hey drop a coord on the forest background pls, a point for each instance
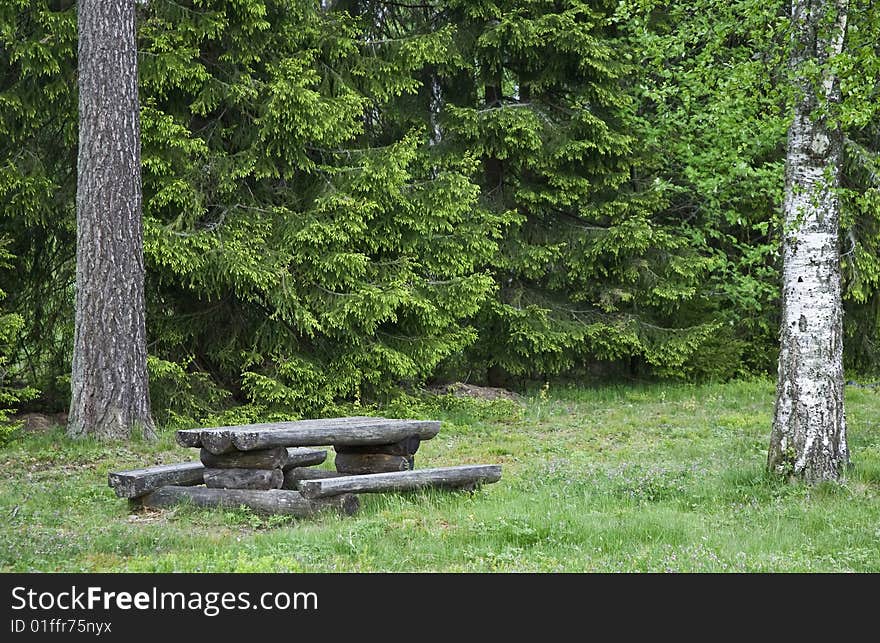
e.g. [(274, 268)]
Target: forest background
[(343, 203)]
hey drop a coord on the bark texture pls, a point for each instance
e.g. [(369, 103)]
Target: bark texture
[(809, 427), (361, 463), (262, 479), (137, 482), (438, 478), (273, 501), (263, 459), (110, 397)]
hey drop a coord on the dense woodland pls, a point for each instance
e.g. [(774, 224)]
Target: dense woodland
[(344, 200)]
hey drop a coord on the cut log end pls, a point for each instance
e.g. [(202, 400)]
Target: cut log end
[(137, 482), (217, 442), (189, 438)]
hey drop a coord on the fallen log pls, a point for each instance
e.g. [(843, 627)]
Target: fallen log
[(274, 501), (262, 479), (301, 457), (362, 463), (262, 459), (294, 475), (136, 482), (442, 477), (407, 447), (362, 432)]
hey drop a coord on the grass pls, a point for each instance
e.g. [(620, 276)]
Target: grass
[(653, 478)]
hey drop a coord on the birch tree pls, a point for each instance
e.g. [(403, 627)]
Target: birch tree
[(109, 379), (809, 428)]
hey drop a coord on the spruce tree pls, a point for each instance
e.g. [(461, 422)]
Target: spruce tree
[(285, 197), (539, 91)]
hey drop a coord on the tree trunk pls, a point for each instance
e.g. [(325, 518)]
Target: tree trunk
[(435, 105), (109, 376), (493, 169), (809, 428)]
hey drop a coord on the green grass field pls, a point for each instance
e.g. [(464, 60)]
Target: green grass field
[(654, 478)]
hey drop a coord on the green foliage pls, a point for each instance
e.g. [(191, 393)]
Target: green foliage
[(588, 271), (12, 390), (859, 67), (713, 105), (715, 101), (38, 130), (343, 202), (180, 394), (333, 265)]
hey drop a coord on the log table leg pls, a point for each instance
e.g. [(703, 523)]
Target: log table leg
[(377, 458), (243, 478)]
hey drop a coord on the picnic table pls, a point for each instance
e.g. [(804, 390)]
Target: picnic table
[(269, 467)]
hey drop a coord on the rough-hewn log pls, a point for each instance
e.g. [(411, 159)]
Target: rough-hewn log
[(136, 482), (243, 478), (361, 463), (351, 431), (360, 432), (402, 480), (293, 476), (408, 447), (262, 459), (190, 438), (301, 457), (274, 501)]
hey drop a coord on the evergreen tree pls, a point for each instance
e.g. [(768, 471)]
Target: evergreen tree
[(539, 90), (280, 200), (38, 139)]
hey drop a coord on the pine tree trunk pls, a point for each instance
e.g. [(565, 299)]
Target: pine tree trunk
[(109, 376), (809, 428)]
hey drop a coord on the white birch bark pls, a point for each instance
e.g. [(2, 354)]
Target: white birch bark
[(809, 428)]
